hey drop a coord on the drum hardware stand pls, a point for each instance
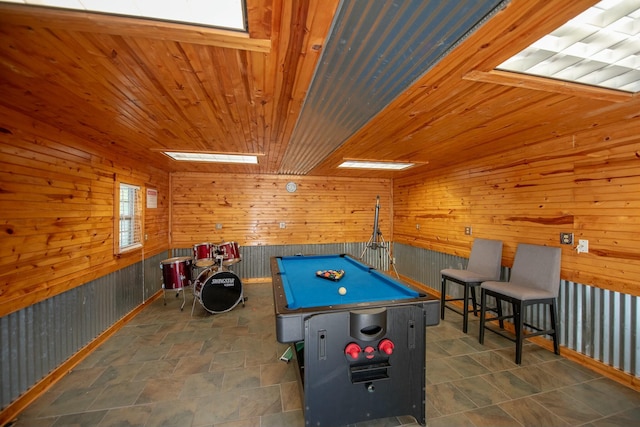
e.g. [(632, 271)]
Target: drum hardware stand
[(184, 296), (377, 241), (220, 259)]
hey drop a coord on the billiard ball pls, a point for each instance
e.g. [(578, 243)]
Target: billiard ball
[(342, 290)]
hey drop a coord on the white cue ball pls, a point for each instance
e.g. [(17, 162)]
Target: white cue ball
[(342, 290)]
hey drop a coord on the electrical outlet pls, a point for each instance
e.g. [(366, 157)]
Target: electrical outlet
[(467, 231), (283, 225), (417, 226), (583, 246), (218, 226), (566, 238)]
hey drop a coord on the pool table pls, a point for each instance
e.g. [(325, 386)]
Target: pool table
[(361, 354)]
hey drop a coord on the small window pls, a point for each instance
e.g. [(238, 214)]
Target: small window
[(130, 218)]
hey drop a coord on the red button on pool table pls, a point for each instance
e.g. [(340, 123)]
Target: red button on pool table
[(386, 346), (368, 352), (353, 350)]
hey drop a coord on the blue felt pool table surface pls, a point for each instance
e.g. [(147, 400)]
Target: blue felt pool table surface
[(304, 289)]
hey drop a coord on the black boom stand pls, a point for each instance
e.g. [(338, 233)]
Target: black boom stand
[(377, 240)]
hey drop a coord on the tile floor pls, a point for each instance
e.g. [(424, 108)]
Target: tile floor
[(167, 368)]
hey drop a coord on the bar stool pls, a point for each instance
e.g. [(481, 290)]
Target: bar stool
[(484, 264), (534, 280)]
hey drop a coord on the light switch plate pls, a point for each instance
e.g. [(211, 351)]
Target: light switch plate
[(583, 246)]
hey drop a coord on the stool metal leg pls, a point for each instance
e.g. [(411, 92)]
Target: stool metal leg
[(443, 296), (483, 305), (465, 309), (518, 318)]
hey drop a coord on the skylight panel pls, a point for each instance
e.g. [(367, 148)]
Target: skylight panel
[(600, 47), (228, 14)]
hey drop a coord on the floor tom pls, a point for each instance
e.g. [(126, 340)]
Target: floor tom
[(176, 273)]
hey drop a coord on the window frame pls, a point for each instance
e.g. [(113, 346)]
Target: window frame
[(135, 216)]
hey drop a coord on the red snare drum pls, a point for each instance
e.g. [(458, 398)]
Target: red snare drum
[(204, 254), (176, 272), (217, 291), (230, 252)]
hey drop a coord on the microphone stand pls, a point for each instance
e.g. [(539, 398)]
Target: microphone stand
[(377, 239)]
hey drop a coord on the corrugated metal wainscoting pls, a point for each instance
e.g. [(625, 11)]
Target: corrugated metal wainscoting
[(256, 260), (39, 338), (598, 323)]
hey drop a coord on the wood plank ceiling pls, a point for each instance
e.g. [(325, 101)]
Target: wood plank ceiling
[(141, 87)]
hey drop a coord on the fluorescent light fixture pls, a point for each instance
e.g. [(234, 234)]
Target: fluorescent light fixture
[(599, 47), (215, 13), (213, 158), (357, 164)]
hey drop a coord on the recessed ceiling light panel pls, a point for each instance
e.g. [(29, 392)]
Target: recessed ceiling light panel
[(213, 158), (357, 164)]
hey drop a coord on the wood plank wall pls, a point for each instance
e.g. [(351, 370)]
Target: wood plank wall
[(250, 209), (587, 184), (56, 207), (57, 211)]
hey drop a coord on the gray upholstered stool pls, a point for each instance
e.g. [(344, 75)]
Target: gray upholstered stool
[(484, 264), (534, 279)]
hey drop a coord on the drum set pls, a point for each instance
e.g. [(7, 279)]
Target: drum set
[(216, 287)]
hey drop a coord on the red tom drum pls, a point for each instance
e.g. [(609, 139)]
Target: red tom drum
[(176, 272), (230, 252), (217, 291), (204, 254)]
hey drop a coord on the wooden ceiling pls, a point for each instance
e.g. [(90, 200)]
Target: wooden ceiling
[(143, 87)]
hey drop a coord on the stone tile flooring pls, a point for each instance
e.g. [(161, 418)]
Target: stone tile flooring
[(168, 368)]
